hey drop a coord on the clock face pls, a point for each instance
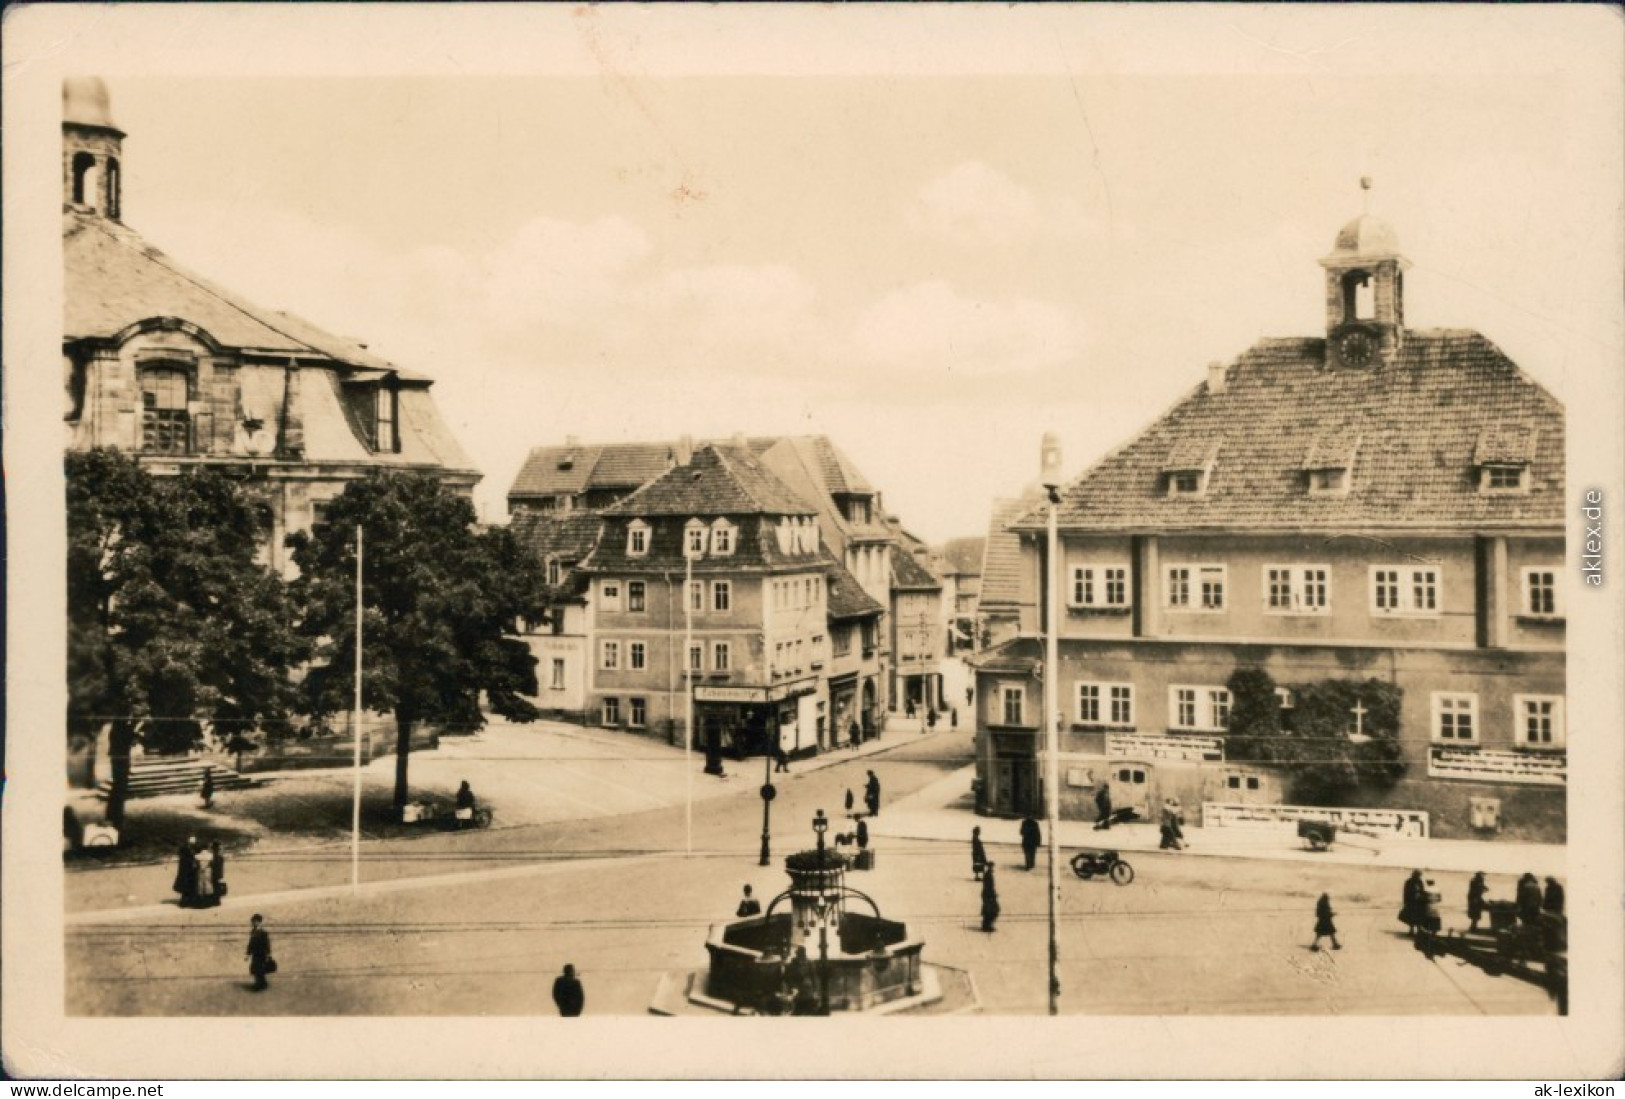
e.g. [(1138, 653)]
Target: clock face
[(1355, 348)]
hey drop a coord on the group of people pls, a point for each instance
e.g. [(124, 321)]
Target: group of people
[(200, 877), (1531, 900)]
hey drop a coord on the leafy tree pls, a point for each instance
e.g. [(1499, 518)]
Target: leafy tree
[(441, 604), (174, 624), (1255, 718)]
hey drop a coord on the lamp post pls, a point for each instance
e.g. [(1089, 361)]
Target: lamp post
[(820, 826), (1052, 738), (768, 794)]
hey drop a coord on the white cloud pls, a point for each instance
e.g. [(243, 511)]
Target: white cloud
[(931, 326), (974, 204)]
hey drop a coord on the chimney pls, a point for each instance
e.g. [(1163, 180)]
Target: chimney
[(1215, 377), (572, 440), (739, 439), (685, 450), (1049, 470)]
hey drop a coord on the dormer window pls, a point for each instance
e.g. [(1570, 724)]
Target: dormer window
[(554, 572), (694, 535), (1185, 483), (637, 538), (1328, 482), (1329, 465), (385, 438), (1504, 453), (722, 538), (1188, 466)]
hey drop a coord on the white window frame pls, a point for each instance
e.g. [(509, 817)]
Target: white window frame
[(612, 711), (1008, 691), (696, 596), (1554, 586), (609, 655), (641, 597), (1523, 710), (1178, 479), (1207, 706), (637, 539), (1398, 586), (1453, 704), (555, 572), (637, 656), (1300, 581), (722, 538), (1091, 581), (1113, 704), (722, 596), (694, 538), (721, 656), (1191, 580), (1331, 481), (609, 594), (1487, 476), (556, 682), (637, 712), (696, 657)]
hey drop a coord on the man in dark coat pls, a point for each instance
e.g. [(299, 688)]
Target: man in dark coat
[(186, 874), (568, 994), (1476, 891), (748, 905), (990, 899), (258, 953), (1553, 900), (854, 735), (1323, 923), (871, 795), (1031, 837), (1529, 899), (1103, 806), (1413, 902), (207, 793), (978, 854), (863, 834)]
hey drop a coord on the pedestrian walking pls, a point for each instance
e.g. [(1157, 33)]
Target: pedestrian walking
[(1476, 890), (990, 899), (1552, 901), (1413, 902), (850, 801), (908, 708), (781, 761), (1103, 806), (1529, 899), (205, 895), (953, 717), (219, 870), (748, 905), (931, 718), (970, 692), (978, 853), (1173, 832), (1031, 837), (863, 834), (568, 995), (186, 873), (1323, 923), (260, 962), (207, 792), (854, 735), (871, 794)]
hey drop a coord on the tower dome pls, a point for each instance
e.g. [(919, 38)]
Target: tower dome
[(85, 102), (1366, 237)]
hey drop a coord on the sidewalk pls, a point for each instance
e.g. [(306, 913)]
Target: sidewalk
[(945, 811)]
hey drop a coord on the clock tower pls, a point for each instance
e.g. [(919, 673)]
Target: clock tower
[(1365, 294)]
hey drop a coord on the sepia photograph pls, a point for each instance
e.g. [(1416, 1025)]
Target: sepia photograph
[(1036, 520)]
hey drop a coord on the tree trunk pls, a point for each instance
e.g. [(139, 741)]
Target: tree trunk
[(403, 748), (120, 740)]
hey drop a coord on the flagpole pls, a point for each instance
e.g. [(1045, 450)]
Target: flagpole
[(355, 810), (688, 695), (1052, 746)]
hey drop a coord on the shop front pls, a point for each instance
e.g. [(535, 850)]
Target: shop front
[(749, 721)]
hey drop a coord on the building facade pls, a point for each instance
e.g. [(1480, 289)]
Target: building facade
[(1379, 503), (161, 363)]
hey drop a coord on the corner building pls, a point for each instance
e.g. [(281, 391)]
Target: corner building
[(1376, 502)]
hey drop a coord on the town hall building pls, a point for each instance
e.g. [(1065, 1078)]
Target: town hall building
[(1376, 504)]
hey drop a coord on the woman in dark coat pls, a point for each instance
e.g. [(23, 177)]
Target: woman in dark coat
[(1031, 837), (1103, 806), (1553, 900), (186, 875), (990, 900), (259, 953), (1323, 923), (978, 854), (1529, 898), (1413, 909), (1476, 890)]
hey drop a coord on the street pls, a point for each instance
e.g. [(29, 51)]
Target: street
[(478, 922)]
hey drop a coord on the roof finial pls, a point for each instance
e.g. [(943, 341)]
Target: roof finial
[(1365, 194)]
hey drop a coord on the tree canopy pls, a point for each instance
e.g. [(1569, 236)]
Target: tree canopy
[(175, 625), (441, 605)]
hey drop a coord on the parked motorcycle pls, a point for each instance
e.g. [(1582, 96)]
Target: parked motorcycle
[(1103, 864)]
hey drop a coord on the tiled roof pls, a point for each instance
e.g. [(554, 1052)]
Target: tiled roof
[(909, 574), (1420, 420), (717, 481), (1001, 562), (1019, 654), (1504, 443), (963, 556), (574, 468), (569, 537), (552, 470), (756, 550), (113, 278), (1333, 449), (847, 599)]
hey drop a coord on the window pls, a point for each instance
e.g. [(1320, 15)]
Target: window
[(719, 656), (384, 437), (1195, 587), (1099, 586), (609, 655), (1404, 590), (1199, 708), (694, 538), (1297, 589), (1540, 593), (554, 572), (637, 539), (722, 538), (1187, 482), (610, 592), (612, 711), (1106, 704), (638, 656), (1455, 717), (1502, 478), (1328, 482), (639, 713), (1236, 781), (1012, 699), (721, 595), (696, 657), (696, 595), (1540, 720), (165, 423), (557, 682), (636, 596)]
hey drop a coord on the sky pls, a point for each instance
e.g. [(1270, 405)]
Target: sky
[(931, 268)]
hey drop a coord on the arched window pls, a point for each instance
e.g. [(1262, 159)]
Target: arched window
[(84, 177), (1359, 300), (112, 188)]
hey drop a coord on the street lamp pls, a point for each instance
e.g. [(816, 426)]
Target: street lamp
[(825, 903), (768, 794)]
